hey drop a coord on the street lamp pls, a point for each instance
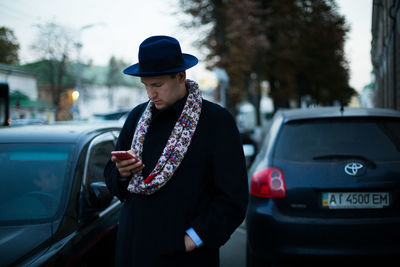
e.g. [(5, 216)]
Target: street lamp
[(79, 45), (75, 95)]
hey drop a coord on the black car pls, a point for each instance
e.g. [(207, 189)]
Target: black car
[(117, 116), (326, 185), (55, 209)]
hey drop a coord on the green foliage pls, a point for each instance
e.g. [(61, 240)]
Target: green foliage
[(45, 69), (9, 47), (115, 77)]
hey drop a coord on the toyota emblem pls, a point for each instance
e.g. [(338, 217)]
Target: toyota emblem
[(353, 168)]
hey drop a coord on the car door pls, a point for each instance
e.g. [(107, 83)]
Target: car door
[(94, 190), (99, 210)]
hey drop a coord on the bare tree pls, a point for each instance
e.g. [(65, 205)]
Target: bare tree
[(53, 45)]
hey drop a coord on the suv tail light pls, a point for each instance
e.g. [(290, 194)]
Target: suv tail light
[(269, 183)]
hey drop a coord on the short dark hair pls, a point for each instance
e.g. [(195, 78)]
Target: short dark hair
[(173, 74)]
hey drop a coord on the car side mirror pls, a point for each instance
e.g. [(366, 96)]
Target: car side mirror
[(99, 196), (249, 151), (249, 147)]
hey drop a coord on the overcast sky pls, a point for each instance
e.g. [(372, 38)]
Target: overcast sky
[(121, 25)]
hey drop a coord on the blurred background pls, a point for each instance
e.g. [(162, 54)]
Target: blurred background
[(63, 60)]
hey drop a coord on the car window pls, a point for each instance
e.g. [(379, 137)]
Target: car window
[(32, 180), (377, 139), (99, 155), (262, 156), (115, 135)]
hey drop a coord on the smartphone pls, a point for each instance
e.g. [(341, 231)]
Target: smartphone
[(123, 155)]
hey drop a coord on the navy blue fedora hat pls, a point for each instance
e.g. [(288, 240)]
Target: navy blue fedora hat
[(159, 55)]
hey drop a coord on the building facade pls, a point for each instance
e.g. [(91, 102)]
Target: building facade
[(19, 80), (24, 96), (385, 53)]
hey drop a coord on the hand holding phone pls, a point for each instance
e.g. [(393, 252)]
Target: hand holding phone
[(126, 168)]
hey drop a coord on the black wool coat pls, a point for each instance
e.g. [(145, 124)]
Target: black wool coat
[(208, 191)]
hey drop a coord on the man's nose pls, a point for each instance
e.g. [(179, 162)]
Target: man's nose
[(151, 93)]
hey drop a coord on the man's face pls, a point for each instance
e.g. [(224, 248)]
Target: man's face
[(165, 90)]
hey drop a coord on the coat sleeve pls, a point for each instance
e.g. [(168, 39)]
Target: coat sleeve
[(111, 174), (229, 202)]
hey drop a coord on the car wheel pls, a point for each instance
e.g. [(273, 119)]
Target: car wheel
[(253, 261)]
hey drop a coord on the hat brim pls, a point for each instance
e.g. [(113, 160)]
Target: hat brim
[(189, 61)]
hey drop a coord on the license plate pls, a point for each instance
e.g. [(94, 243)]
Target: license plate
[(355, 200)]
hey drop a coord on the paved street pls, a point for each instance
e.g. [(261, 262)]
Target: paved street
[(233, 253)]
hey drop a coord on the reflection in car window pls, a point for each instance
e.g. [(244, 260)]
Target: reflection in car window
[(32, 179), (376, 139), (99, 156)]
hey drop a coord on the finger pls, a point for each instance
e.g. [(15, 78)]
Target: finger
[(138, 164), (135, 167), (125, 163), (138, 169), (128, 167), (125, 169), (130, 164), (125, 174)]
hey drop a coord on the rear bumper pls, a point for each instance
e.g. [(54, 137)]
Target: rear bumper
[(273, 236)]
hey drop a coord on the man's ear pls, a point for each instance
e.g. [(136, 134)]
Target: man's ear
[(182, 76)]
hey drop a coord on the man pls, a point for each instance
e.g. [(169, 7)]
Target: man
[(185, 192)]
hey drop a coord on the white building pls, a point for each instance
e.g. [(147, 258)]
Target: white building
[(19, 80), (98, 99), (24, 84)]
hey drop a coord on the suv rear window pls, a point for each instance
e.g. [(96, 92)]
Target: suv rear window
[(377, 139)]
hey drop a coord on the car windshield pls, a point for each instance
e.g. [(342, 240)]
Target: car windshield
[(372, 139), (32, 179)]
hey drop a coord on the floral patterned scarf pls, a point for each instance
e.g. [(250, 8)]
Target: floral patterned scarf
[(175, 148)]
